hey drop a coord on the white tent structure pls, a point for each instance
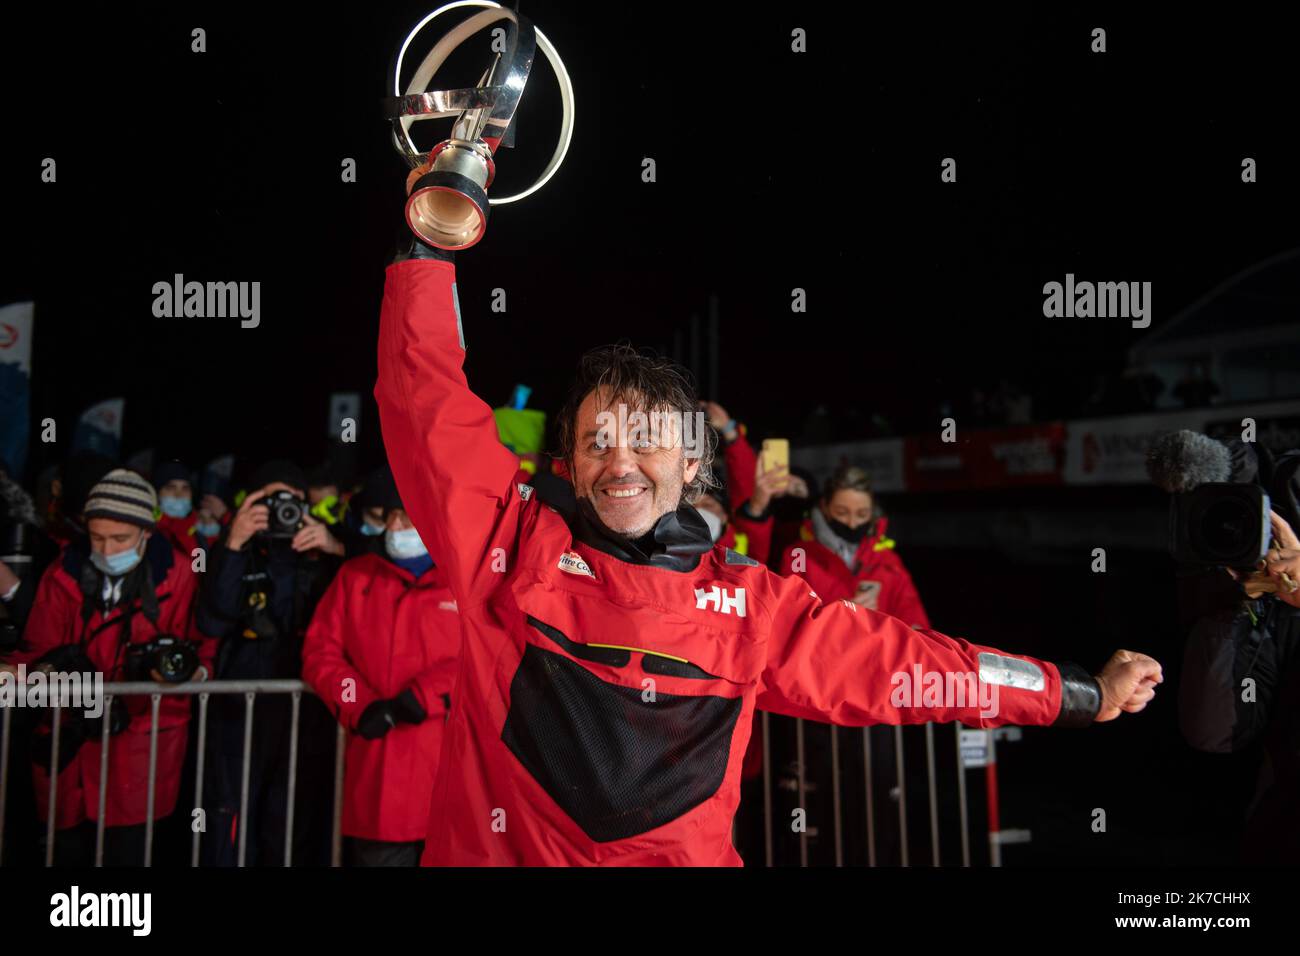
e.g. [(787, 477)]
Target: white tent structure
[(1245, 333)]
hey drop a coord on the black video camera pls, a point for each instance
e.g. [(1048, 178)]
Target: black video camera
[(286, 511), (1221, 523), (174, 658)]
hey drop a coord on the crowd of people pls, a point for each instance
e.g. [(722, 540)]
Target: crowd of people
[(308, 575), (537, 661)]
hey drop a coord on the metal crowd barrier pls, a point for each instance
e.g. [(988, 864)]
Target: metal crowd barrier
[(971, 748), (964, 738), (203, 690)]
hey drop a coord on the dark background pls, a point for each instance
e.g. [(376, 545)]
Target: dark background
[(775, 170)]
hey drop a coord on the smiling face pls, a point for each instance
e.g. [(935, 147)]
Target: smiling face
[(632, 475)]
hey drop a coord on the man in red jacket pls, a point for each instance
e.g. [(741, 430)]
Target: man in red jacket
[(381, 653), (843, 552), (612, 658), (109, 594)]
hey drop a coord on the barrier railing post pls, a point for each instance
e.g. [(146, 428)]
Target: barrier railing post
[(243, 782), (155, 701), (293, 778), (871, 806), (57, 711), (934, 793), (961, 798), (340, 755), (835, 795), (102, 803), (4, 775), (991, 782), (900, 769), (198, 780), (803, 794)]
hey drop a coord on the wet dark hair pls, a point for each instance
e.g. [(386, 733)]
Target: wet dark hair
[(644, 382)]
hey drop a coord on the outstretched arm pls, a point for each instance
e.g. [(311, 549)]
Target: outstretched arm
[(842, 664)]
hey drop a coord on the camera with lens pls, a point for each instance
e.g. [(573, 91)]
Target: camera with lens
[(173, 658), (286, 511), (1221, 523)]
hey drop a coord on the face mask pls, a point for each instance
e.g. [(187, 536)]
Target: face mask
[(175, 507), (115, 565), (211, 531), (716, 524), (851, 535), (371, 530), (404, 544)]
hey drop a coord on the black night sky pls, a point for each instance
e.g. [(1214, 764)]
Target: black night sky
[(775, 170)]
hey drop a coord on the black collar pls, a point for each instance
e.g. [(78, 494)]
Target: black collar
[(675, 543)]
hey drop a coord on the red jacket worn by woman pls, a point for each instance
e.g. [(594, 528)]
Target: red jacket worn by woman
[(604, 700), (876, 567), (378, 631)]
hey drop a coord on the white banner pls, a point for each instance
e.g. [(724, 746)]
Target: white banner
[(1113, 451)]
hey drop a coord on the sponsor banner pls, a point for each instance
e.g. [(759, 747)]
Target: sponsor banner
[(1112, 451), (1277, 430), (1101, 451), (1022, 455)]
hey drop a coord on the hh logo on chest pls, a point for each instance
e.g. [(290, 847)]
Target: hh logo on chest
[(721, 600)]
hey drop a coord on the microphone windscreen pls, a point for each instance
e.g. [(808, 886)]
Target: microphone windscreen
[(1181, 461)]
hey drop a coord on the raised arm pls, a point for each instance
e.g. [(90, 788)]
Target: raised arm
[(455, 477)]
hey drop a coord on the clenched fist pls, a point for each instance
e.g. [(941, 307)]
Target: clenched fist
[(1128, 682)]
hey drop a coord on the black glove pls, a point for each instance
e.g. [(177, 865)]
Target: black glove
[(419, 250), (408, 708), (377, 719)]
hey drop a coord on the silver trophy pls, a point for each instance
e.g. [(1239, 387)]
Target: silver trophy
[(448, 205)]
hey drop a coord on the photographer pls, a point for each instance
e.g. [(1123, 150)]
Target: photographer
[(381, 652), (1240, 693), (119, 602), (265, 577)]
